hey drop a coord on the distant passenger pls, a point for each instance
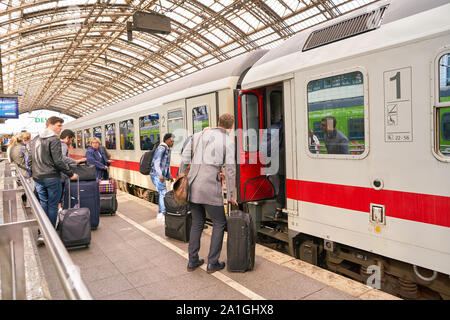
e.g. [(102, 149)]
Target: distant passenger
[(96, 156), (335, 141), (146, 143), (26, 136), (46, 163), (160, 171), (16, 153), (205, 191)]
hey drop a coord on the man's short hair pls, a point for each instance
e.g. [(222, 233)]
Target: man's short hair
[(53, 120), (226, 121), (330, 117), (167, 136), (67, 133)]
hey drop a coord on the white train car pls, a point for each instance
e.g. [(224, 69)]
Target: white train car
[(383, 74), (129, 128), (374, 192)]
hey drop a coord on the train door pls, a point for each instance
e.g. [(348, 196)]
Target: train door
[(201, 112), (254, 115)]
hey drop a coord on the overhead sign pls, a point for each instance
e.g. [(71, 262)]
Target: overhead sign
[(9, 107)]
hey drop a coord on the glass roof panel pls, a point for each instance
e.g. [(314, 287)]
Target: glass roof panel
[(80, 48)]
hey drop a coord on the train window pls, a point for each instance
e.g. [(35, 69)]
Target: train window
[(175, 125), (444, 78), (86, 136), (336, 115), (74, 144), (126, 134), (250, 122), (443, 113), (200, 118), (149, 131), (79, 139), (110, 134), (98, 132)]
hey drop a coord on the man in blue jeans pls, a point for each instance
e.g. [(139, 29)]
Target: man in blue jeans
[(47, 164), (160, 171)]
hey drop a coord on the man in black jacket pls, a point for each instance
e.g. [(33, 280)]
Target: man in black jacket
[(47, 164)]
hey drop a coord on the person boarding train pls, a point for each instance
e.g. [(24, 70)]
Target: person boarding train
[(211, 149)]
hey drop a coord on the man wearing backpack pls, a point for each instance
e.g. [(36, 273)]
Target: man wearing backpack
[(160, 171)]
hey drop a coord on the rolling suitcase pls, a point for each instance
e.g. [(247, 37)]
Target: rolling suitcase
[(90, 198), (240, 242), (108, 203), (178, 219), (74, 227), (108, 198)]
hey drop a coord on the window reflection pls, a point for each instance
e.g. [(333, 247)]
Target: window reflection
[(110, 134), (149, 131), (126, 134), (336, 114)]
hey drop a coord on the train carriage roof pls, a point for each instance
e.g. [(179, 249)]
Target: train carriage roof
[(396, 10), (232, 68)]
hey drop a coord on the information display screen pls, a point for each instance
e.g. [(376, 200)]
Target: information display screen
[(9, 107)]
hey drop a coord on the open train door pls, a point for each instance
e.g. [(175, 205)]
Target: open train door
[(252, 184)]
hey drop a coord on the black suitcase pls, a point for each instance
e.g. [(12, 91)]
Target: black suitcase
[(178, 219), (90, 198), (108, 203), (240, 242), (74, 227)]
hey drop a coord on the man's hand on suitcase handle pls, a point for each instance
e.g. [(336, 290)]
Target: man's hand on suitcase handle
[(74, 177)]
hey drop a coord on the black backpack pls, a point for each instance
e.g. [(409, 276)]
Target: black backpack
[(146, 161)]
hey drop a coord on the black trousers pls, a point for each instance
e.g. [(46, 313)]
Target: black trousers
[(217, 214)]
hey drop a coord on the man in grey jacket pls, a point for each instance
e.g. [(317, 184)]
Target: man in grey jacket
[(212, 150), (46, 163)]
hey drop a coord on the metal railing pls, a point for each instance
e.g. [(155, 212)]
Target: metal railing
[(11, 239)]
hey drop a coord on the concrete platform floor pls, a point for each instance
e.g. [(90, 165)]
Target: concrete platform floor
[(130, 258)]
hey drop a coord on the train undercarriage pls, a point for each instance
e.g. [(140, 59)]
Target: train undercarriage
[(394, 277)]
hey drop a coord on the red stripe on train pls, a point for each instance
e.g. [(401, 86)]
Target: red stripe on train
[(403, 205), (128, 165)]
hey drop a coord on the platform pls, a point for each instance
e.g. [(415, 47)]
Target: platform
[(130, 258)]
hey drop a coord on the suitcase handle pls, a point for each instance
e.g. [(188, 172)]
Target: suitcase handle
[(79, 200)]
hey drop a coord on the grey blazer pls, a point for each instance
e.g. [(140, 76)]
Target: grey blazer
[(213, 149)]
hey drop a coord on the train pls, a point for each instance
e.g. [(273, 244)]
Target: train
[(381, 73)]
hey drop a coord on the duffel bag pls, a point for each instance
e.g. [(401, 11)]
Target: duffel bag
[(172, 206), (85, 172)]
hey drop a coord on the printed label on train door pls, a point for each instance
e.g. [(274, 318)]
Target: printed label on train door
[(398, 105)]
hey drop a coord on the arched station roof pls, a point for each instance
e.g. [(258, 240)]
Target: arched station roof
[(74, 57)]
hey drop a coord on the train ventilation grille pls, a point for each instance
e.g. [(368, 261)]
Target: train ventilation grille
[(346, 29)]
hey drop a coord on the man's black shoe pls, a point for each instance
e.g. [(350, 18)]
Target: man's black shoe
[(194, 265), (215, 267)]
